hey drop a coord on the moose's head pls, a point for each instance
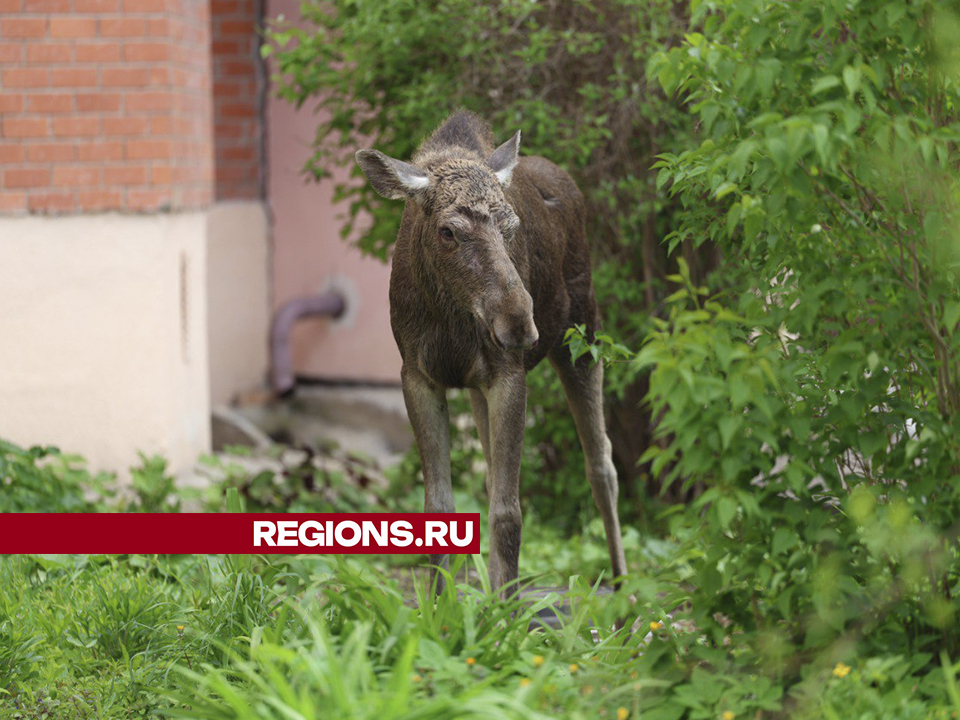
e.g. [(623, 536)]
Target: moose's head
[(468, 228)]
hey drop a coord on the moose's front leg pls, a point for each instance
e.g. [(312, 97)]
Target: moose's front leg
[(427, 407), (506, 406)]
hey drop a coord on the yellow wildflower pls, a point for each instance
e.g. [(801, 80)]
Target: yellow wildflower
[(471, 661), (656, 625), (728, 715), (841, 670), (574, 668), (179, 628), (524, 682), (537, 660), (622, 713)]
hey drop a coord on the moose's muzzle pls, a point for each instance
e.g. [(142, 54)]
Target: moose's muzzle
[(511, 324)]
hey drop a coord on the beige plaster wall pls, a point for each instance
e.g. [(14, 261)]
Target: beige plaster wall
[(310, 256), (238, 298), (103, 336)]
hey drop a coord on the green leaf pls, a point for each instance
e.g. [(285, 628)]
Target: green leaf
[(725, 189), (729, 425), (726, 510), (851, 79), (740, 393), (820, 139), (951, 316), (873, 442), (784, 538), (825, 83)]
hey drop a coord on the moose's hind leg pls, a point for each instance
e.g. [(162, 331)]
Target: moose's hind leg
[(583, 385), (481, 416)]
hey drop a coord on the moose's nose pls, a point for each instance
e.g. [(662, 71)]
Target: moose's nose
[(516, 333)]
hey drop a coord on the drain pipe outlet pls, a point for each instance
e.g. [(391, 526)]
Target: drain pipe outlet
[(329, 304)]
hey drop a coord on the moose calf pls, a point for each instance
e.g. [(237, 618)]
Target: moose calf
[(490, 268)]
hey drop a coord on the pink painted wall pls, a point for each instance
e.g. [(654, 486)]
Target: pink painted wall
[(309, 255)]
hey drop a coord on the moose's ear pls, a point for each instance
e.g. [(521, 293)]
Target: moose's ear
[(394, 179), (504, 159)]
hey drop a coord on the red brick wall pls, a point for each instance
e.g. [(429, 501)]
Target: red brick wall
[(105, 105), (238, 81)]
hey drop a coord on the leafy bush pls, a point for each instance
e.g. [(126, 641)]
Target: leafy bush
[(154, 489), (42, 477), (17, 653), (811, 390)]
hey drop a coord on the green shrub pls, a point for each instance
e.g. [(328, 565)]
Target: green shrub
[(811, 391), (18, 654), (42, 479)]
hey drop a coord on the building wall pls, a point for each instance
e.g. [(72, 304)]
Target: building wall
[(103, 336), (115, 330), (239, 87), (105, 106), (310, 256), (238, 298), (238, 226)]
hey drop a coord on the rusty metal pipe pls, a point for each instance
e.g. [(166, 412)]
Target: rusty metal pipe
[(329, 304)]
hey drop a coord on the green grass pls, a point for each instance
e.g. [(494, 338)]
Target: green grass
[(215, 637), (306, 637), (232, 638)]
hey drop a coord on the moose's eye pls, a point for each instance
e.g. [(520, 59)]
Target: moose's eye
[(447, 234)]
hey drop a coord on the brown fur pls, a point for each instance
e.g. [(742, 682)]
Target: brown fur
[(481, 309)]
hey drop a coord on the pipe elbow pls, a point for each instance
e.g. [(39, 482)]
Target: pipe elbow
[(329, 304)]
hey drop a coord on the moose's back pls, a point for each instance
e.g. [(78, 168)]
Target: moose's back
[(551, 211)]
